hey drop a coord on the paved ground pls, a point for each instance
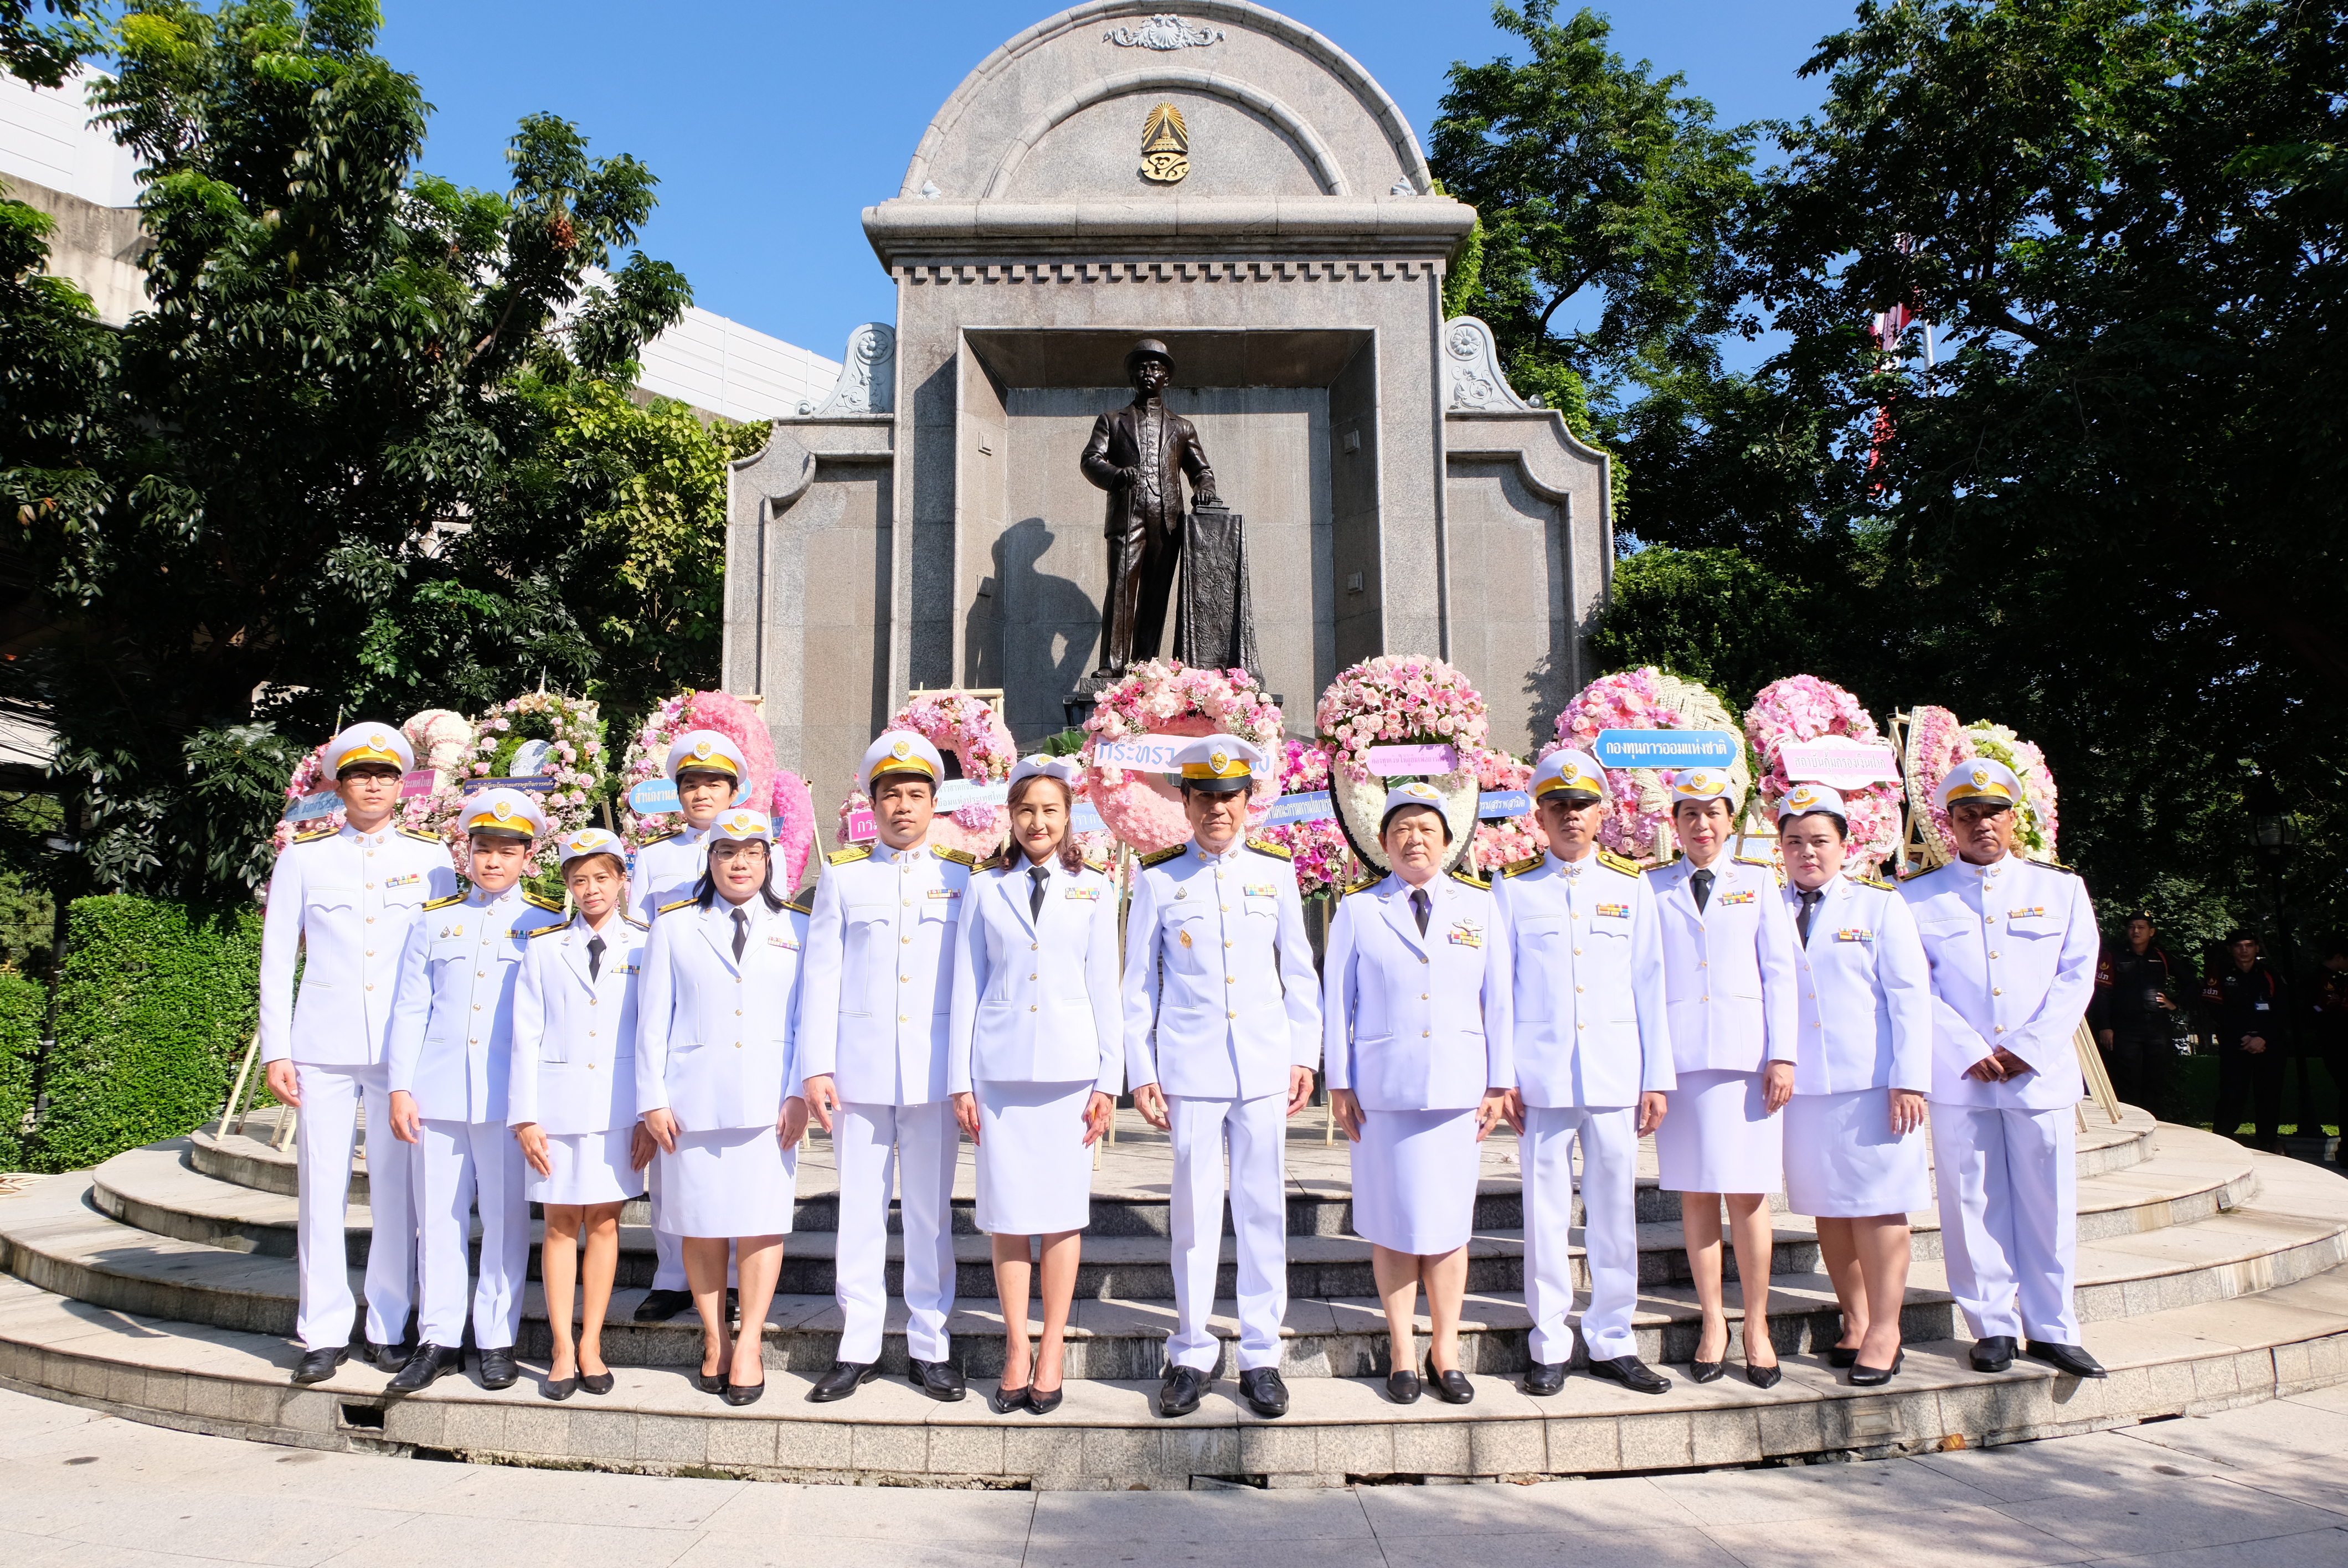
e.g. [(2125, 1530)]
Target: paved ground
[(2262, 1487)]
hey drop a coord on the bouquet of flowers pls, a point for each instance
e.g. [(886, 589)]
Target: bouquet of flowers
[(1805, 708), (1642, 699), (1169, 698), (1321, 856), (2035, 817), (968, 730), (778, 791), (538, 736), (1406, 699)]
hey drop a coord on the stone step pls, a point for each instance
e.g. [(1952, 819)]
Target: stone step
[(2194, 1359)]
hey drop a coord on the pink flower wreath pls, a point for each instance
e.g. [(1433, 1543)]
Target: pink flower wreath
[(781, 793), (1168, 698), (968, 729), (1937, 742), (1805, 708)]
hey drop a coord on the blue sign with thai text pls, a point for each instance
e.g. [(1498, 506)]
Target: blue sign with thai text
[(1671, 748)]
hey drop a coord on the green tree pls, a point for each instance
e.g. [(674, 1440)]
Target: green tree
[(41, 45)]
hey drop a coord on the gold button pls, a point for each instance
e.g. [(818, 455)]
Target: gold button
[(1424, 1032), (1422, 996), (1226, 944), (592, 1001), (1574, 915), (370, 952), (1992, 952), (1989, 920), (1703, 964), (1031, 1007), (370, 919), (909, 903), (370, 885), (590, 1066), (482, 974), (1231, 1015), (1708, 998), (1814, 996), (1031, 947), (1818, 1026), (590, 1034), (1229, 980), (901, 1017), (737, 1045), (1997, 991), (737, 1013), (1578, 990), (1577, 951), (1422, 958), (2000, 1028), (1582, 1025), (476, 1007), (902, 979), (907, 941), (1031, 977), (370, 987)]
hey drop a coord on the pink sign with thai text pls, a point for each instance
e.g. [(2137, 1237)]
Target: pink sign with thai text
[(1393, 760)]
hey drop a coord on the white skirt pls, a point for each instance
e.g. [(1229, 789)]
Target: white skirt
[(589, 1168), (1034, 1171), (1414, 1180), (1715, 1139), (1842, 1160), (734, 1182)]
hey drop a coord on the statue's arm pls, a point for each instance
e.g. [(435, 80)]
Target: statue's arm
[(1103, 473), (1202, 472)]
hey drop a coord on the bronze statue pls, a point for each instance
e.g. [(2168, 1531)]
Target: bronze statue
[(1138, 454)]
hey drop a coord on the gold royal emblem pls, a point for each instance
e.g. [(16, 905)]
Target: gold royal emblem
[(902, 749), (1164, 146), (702, 749), (1221, 761)]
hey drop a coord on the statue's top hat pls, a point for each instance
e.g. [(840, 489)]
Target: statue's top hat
[(1147, 348)]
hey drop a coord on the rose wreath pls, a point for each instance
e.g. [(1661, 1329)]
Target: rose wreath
[(781, 793), (1805, 708), (1403, 698), (1321, 856), (967, 729), (1643, 698), (1937, 742), (1169, 698), (538, 736)]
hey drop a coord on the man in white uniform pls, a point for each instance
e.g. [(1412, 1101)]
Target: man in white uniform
[(347, 896), (875, 1012), (449, 1057), (2013, 944), (1222, 1030), (707, 769), (1593, 1060)]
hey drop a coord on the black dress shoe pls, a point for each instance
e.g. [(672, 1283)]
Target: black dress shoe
[(1763, 1377), (1994, 1354), (1843, 1356), (1263, 1391), (497, 1368), (1865, 1377), (1183, 1388), (1632, 1374), (1002, 1400), (739, 1394), (660, 1306), (938, 1379), (1544, 1378), (2071, 1358), (1701, 1371), (842, 1381), (559, 1388), (1402, 1386), (597, 1382), (386, 1357), (317, 1365), (424, 1367), (709, 1382), (1452, 1387), (1041, 1404)]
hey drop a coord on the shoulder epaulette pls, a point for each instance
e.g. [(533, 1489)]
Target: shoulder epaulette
[(1877, 883), (1363, 885), (997, 861), (1470, 878), (1651, 870), (1160, 856), (1613, 862), (801, 901), (1265, 846), (548, 905), (1755, 860), (421, 836), (851, 854), (444, 902), (1928, 871), (310, 830), (549, 930), (661, 837), (680, 904), (959, 857), (639, 924), (1098, 863), (1519, 868)]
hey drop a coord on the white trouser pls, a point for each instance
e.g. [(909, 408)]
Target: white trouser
[(456, 1161), (1255, 1133), (877, 1147), (331, 1098), (2009, 1209), (1609, 1228)]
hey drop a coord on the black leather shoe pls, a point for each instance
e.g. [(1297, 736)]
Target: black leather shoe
[(1763, 1377), (1002, 1400), (1865, 1377), (739, 1394), (709, 1382), (1265, 1392), (1402, 1386), (842, 1381), (939, 1380), (2071, 1358), (1183, 1388), (1700, 1372), (1544, 1378), (1842, 1355), (497, 1368), (1040, 1404), (1452, 1387), (317, 1365), (597, 1382), (424, 1367), (1632, 1374), (1994, 1354), (386, 1357), (660, 1306), (559, 1388)]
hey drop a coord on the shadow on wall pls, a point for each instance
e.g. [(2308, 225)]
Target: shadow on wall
[(1029, 612)]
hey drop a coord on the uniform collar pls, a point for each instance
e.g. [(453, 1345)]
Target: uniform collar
[(380, 835), (478, 899), (888, 856), (1574, 867), (1199, 851), (2002, 864), (691, 834)]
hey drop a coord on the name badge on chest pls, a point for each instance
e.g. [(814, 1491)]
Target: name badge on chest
[(788, 944)]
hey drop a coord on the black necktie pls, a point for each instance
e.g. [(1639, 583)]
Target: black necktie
[(1702, 883), (594, 957), (1038, 875), (1418, 907), (741, 934), (1802, 920)]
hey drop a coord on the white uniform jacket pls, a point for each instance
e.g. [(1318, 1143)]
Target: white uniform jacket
[(349, 898), (1586, 1015), (1728, 970), (1415, 1022), (1036, 996), (2012, 948), (716, 1041), (880, 972), (1866, 992), (452, 1025), (1220, 999), (574, 1039), (665, 869)]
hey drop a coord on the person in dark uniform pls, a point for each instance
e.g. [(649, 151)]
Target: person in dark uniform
[(1138, 454), (2247, 1009), (2136, 989), (2328, 1017)]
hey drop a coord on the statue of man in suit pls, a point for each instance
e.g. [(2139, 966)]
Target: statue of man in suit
[(1138, 454)]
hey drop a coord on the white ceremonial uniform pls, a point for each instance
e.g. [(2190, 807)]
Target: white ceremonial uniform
[(1589, 1035), (342, 903), (1865, 1021), (1416, 1025), (574, 1059), (1220, 1000), (878, 1010), (451, 1033), (717, 1048), (665, 869), (1036, 1030), (2012, 948), (1728, 978)]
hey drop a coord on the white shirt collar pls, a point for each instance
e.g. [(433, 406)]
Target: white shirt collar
[(1573, 867), (889, 857), (1232, 854)]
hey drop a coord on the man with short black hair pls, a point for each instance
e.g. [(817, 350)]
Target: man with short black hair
[(2137, 986), (2248, 1007)]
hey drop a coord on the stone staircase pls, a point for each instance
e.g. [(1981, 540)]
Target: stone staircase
[(161, 1285)]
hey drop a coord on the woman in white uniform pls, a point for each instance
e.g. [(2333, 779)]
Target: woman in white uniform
[(571, 1097), (1729, 985), (1854, 1130), (1036, 1060), (717, 1055), (1414, 1041)]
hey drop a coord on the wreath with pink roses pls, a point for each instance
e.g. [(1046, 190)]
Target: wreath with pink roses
[(781, 793), (968, 730), (1170, 698), (1805, 708)]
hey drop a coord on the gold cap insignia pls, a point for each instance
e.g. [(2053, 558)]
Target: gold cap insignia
[(902, 749), (702, 749)]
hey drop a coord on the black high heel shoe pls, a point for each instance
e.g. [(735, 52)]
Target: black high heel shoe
[(1763, 1377), (1842, 1355), (738, 1394), (1002, 1400), (1876, 1376), (1709, 1371), (1043, 1404), (559, 1387)]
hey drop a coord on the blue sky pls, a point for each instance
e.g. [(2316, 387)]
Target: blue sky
[(772, 127)]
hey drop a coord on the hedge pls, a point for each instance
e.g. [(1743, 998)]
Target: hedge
[(23, 1009)]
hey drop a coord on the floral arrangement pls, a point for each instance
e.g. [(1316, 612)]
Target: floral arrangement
[(1169, 698), (1805, 708), (2037, 817), (778, 791), (1503, 841), (540, 734), (441, 739), (1642, 699), (1323, 860), (1937, 741), (1399, 699), (968, 729)]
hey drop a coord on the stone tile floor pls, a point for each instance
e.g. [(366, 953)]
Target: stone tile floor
[(2260, 1487)]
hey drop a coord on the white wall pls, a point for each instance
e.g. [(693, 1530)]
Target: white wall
[(45, 137)]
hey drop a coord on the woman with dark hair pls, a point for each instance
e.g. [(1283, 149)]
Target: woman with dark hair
[(1415, 1044), (717, 1068), (1037, 1059)]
